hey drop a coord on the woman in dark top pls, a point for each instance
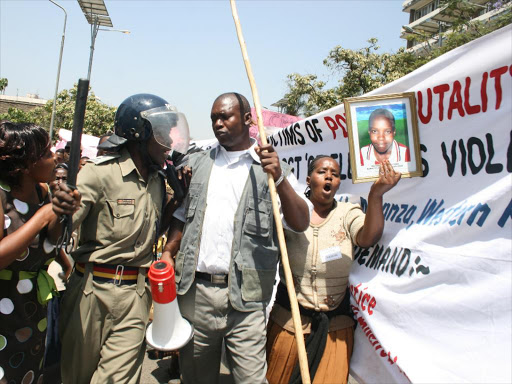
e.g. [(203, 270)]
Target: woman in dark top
[(26, 165)]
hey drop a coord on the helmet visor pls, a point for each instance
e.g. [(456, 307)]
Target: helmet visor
[(170, 127)]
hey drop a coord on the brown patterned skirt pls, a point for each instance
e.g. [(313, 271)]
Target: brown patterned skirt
[(282, 356)]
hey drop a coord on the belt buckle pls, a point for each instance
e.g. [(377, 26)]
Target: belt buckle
[(118, 279), (218, 279)]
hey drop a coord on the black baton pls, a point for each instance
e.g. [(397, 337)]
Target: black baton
[(74, 156)]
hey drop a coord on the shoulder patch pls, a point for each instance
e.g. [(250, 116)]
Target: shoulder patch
[(103, 159)]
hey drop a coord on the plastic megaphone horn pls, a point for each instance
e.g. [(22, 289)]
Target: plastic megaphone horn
[(169, 330)]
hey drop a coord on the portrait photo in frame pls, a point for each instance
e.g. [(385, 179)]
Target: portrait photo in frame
[(383, 127)]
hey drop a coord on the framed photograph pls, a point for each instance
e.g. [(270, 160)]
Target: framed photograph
[(383, 127)]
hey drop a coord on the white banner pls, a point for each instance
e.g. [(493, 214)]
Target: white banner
[(433, 297), (88, 142)]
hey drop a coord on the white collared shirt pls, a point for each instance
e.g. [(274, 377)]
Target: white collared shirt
[(225, 187), (399, 153)]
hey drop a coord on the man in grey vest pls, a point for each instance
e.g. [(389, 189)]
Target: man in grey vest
[(226, 264)]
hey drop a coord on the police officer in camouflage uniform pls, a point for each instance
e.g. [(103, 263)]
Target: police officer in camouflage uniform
[(118, 206)]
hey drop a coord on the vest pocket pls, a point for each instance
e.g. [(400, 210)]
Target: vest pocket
[(257, 218), (257, 284)]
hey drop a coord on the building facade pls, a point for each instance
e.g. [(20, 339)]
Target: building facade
[(20, 102), (430, 18)]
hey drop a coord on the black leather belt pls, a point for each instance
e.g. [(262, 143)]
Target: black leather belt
[(215, 279)]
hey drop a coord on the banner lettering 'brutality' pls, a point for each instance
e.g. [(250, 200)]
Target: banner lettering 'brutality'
[(432, 299)]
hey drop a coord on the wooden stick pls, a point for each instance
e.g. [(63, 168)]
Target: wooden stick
[(299, 336)]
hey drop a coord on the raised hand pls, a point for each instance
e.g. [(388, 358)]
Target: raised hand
[(388, 178)]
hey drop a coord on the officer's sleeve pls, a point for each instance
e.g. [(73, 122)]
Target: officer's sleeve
[(90, 188)]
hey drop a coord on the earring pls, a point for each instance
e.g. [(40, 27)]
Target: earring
[(307, 191)]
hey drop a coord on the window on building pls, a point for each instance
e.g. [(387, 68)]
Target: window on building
[(425, 10)]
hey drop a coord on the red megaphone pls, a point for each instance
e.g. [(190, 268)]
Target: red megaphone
[(169, 330)]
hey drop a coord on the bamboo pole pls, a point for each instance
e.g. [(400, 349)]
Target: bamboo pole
[(299, 336)]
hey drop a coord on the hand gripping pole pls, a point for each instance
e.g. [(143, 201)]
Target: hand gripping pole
[(299, 336)]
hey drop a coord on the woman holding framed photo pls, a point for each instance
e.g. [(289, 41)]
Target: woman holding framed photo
[(320, 260)]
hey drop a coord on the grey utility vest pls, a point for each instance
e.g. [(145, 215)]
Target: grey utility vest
[(254, 253)]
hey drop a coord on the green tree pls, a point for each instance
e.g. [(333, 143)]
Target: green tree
[(99, 117), (17, 115), (306, 94), (3, 84), (361, 71)]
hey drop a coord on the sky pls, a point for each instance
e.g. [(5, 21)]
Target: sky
[(186, 52), (398, 110)]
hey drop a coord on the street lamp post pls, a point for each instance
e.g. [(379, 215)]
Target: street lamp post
[(94, 33), (97, 16), (52, 121), (95, 27)]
